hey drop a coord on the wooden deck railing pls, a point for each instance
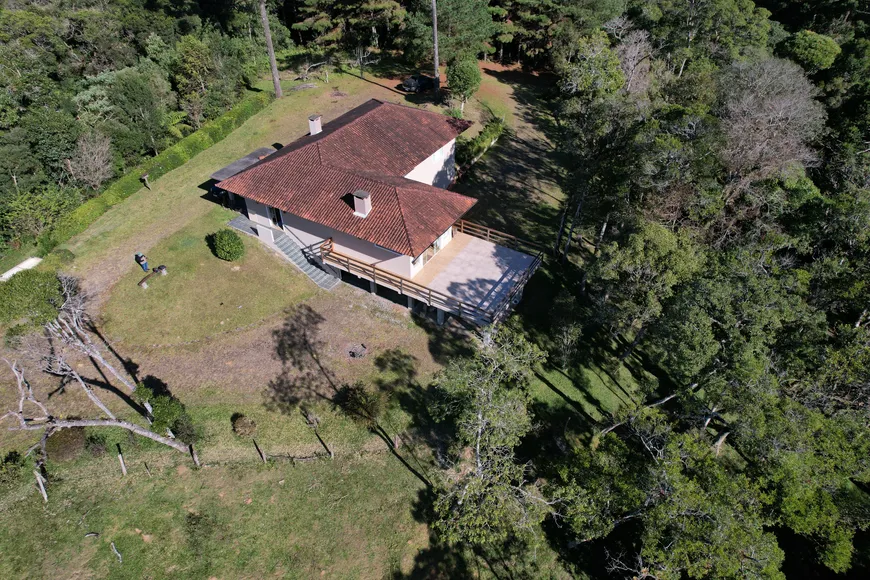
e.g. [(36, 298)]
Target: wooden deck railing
[(435, 298), (403, 285), (497, 237), (504, 305)]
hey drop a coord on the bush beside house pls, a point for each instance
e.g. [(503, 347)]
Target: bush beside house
[(227, 245), (469, 151)]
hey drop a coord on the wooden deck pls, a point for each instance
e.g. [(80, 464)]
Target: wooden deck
[(472, 277)]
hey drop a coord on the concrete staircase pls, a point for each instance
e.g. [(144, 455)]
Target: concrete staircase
[(292, 252)]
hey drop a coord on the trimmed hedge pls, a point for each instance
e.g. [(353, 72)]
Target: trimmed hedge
[(469, 151), (173, 157)]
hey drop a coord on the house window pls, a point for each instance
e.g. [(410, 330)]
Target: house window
[(430, 252)]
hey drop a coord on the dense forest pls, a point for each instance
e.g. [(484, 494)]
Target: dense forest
[(91, 88), (716, 231)]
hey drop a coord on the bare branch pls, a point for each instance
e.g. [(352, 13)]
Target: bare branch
[(49, 424)]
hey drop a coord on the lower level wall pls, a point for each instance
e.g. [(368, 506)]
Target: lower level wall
[(258, 212), (307, 233)]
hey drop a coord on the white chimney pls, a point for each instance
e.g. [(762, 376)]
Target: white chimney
[(362, 203), (314, 124)]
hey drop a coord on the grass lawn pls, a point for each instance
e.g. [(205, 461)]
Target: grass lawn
[(518, 182), (252, 521), (202, 295), (587, 388), (104, 251)]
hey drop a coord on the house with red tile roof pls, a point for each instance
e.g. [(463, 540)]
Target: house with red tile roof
[(367, 194)]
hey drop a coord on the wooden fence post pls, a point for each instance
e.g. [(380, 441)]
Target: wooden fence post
[(121, 460), (40, 482), (193, 455), (259, 451)]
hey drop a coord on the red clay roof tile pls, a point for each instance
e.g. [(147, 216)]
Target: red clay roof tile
[(370, 147)]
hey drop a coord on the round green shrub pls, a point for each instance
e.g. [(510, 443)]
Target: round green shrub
[(227, 245), (65, 256), (66, 444), (243, 426)]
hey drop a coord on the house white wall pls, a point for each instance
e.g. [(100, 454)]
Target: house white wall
[(443, 240), (439, 169), (259, 214), (306, 233)]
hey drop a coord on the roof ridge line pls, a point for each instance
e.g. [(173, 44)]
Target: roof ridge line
[(353, 121), (316, 142), (404, 222)]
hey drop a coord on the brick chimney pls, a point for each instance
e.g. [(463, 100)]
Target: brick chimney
[(314, 124), (362, 203)]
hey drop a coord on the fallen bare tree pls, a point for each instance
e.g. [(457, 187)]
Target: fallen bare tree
[(72, 326), (44, 421)]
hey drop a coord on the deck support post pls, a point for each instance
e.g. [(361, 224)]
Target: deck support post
[(439, 317), (410, 302), (373, 288)]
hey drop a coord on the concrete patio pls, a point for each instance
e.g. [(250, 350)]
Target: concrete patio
[(474, 271)]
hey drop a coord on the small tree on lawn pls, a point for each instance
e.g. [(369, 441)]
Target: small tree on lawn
[(463, 77)]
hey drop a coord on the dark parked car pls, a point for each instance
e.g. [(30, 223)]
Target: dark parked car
[(418, 84)]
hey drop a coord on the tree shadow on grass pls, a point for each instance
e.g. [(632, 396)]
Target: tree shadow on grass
[(505, 181), (438, 561), (305, 378), (512, 559), (399, 378), (534, 93), (582, 559), (131, 367), (504, 201), (450, 340), (577, 407)]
